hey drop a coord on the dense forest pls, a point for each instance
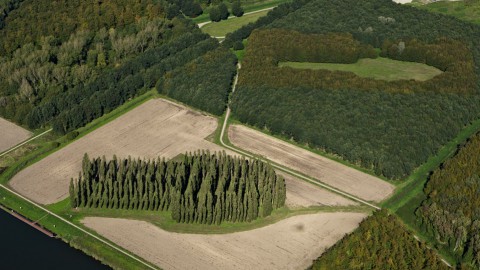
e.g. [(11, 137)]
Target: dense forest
[(67, 78), (451, 212), (6, 6), (390, 132), (380, 242), (34, 19), (269, 47), (196, 188), (203, 83)]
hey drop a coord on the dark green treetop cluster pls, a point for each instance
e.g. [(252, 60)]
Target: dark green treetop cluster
[(196, 188)]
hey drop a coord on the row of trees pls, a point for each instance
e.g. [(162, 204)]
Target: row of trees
[(380, 242), (451, 212), (220, 12), (204, 83), (196, 188), (390, 132)]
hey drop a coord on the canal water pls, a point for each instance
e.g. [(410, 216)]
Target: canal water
[(23, 247)]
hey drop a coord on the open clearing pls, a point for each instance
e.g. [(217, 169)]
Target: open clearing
[(155, 128), (302, 194), (335, 174), (289, 244), (220, 29), (379, 68), (11, 134), (467, 11)]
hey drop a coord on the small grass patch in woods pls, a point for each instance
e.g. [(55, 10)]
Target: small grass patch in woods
[(220, 29), (379, 68)]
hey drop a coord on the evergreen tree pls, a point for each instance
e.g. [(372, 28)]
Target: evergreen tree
[(237, 9)]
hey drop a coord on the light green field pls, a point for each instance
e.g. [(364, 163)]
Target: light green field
[(379, 68), (220, 29), (465, 10)]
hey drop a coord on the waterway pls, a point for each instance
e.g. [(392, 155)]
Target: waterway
[(23, 247)]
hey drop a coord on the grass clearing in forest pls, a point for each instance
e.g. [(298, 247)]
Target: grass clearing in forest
[(464, 10), (220, 29), (379, 68)]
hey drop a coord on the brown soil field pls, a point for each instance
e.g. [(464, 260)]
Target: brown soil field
[(292, 243), (335, 174), (11, 134), (302, 194), (155, 128)]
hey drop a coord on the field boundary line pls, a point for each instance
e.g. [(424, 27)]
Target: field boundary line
[(282, 168), (77, 227), (24, 142)]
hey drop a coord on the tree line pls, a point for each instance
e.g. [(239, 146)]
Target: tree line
[(196, 188), (204, 83), (389, 132), (451, 211), (380, 242)]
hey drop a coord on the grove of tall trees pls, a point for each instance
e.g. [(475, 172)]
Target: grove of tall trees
[(380, 242), (196, 188), (390, 128), (451, 212)]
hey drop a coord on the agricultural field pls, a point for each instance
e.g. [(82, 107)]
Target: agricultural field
[(335, 174), (292, 243), (379, 69), (301, 194), (220, 29), (11, 134), (156, 128)]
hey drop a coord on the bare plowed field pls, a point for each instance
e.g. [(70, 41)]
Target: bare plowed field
[(156, 128), (289, 244), (302, 194), (335, 174), (11, 134)]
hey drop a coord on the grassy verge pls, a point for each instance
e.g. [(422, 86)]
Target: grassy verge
[(75, 238), (410, 195), (163, 220), (247, 7), (410, 191), (220, 29), (378, 68)]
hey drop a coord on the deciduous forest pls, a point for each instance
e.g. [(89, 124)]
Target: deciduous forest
[(203, 83), (196, 188), (451, 213), (69, 77), (381, 242)]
